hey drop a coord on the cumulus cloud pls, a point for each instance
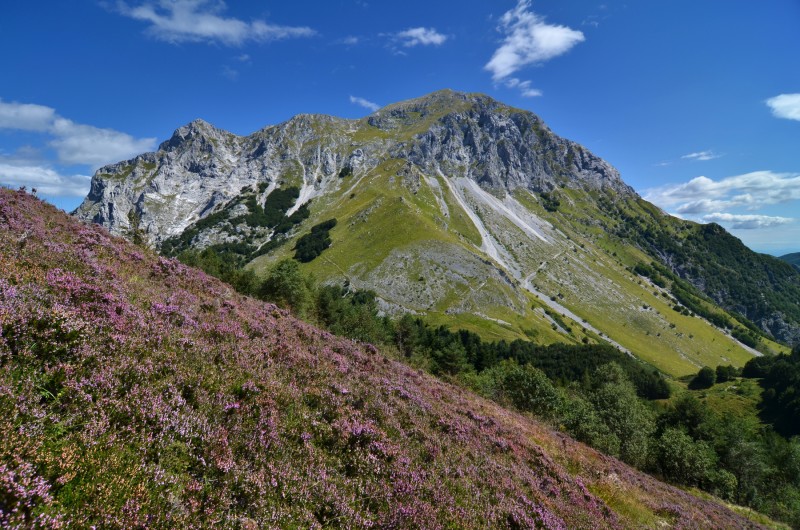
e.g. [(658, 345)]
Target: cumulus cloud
[(92, 146), (751, 191), (420, 37), (746, 222), (25, 116), (702, 206), (46, 180), (367, 104), (74, 144), (785, 106), (702, 156), (529, 40), (176, 21)]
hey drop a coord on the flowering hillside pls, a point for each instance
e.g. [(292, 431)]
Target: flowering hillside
[(138, 393)]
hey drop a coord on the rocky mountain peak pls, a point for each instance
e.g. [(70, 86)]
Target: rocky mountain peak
[(422, 110), (458, 135), (498, 146), (196, 131)]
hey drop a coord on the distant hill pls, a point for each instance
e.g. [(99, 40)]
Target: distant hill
[(793, 259), (136, 392)]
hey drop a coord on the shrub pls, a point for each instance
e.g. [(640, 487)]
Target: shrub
[(705, 378), (314, 243), (287, 287), (524, 387)]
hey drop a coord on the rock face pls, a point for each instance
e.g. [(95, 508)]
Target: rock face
[(198, 169), (502, 149), (460, 135)]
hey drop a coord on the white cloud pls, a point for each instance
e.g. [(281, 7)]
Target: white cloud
[(747, 222), (46, 180), (74, 144), (25, 116), (524, 87), (92, 146), (26, 155), (177, 21), (785, 106), (751, 191), (528, 40), (702, 156), (420, 37), (350, 40), (364, 103), (232, 74), (702, 206)]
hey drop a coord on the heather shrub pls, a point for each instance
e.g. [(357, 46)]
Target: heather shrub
[(136, 392)]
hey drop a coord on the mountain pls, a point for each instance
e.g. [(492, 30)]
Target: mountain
[(137, 392), (465, 210), (792, 259)]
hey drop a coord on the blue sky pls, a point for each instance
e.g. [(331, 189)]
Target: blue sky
[(696, 103)]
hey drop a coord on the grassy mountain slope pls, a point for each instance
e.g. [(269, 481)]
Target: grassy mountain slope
[(393, 237), (470, 212), (135, 392)]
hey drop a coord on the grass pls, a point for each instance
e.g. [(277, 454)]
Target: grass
[(619, 499), (591, 282), (750, 514), (584, 266), (738, 398)]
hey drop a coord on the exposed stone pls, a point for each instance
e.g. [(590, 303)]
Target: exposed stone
[(201, 167)]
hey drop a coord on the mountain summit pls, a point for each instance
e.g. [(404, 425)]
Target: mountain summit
[(464, 135), (468, 211)]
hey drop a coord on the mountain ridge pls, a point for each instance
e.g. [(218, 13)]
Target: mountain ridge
[(206, 139), (455, 206)]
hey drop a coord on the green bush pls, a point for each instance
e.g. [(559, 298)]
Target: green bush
[(705, 378), (314, 243), (526, 388), (288, 288), (683, 460)]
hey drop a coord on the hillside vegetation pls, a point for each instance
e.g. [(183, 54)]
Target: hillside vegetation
[(792, 259), (137, 392)]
